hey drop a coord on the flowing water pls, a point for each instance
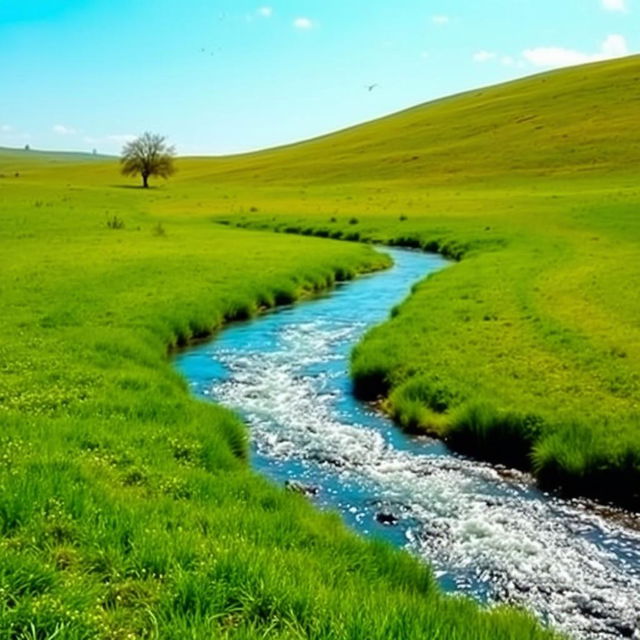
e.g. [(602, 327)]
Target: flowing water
[(487, 532)]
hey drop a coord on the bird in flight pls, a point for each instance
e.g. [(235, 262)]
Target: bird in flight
[(371, 87), (211, 52)]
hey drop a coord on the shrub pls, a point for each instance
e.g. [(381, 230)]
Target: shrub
[(115, 223)]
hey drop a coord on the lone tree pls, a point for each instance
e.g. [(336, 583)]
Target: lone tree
[(148, 155)]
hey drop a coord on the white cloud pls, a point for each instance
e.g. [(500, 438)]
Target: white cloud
[(615, 5), (265, 12), (614, 46), (303, 23), (484, 56), (12, 136), (116, 138), (441, 20), (121, 138), (63, 130), (555, 57)]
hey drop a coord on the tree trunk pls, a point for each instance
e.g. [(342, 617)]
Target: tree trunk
[(145, 181)]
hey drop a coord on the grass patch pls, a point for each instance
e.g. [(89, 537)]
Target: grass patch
[(498, 436)]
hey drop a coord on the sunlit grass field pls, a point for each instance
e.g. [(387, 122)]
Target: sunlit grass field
[(127, 508)]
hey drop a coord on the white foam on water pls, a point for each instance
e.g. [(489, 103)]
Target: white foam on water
[(466, 518)]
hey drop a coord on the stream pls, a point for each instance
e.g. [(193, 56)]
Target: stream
[(486, 531)]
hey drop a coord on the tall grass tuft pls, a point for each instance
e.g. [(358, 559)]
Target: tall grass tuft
[(479, 429), (576, 460)]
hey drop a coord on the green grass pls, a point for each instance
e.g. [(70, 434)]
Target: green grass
[(127, 508)]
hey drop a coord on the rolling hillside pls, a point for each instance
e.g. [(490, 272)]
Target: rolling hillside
[(569, 123)]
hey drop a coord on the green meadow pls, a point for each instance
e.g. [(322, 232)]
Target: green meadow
[(128, 509)]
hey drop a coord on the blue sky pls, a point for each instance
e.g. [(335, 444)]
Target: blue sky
[(224, 76)]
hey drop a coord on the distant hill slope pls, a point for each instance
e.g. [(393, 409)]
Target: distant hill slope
[(582, 120), (19, 159)]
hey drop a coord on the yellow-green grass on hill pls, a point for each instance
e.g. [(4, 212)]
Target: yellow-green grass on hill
[(127, 508), (528, 350)]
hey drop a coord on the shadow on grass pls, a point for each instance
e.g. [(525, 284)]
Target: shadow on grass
[(136, 187)]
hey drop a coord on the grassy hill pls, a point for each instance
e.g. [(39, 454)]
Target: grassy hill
[(566, 123), (24, 158)]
